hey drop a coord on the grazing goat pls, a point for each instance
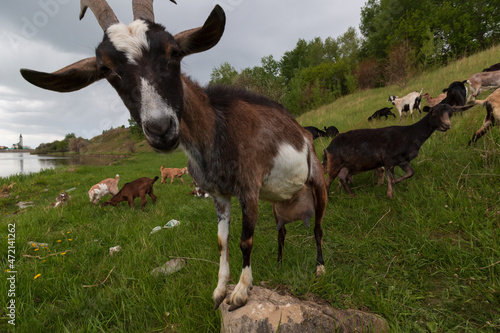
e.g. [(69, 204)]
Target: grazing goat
[(108, 185), (456, 94), (492, 68), (198, 191), (138, 188), (61, 199), (492, 104), (407, 103), (238, 144), (331, 131), (172, 173), (367, 149), (483, 81), (316, 132), (434, 101), (384, 112)]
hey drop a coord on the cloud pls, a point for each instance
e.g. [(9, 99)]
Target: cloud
[(46, 35)]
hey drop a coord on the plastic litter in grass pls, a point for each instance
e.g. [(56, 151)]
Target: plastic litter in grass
[(114, 249), (169, 267), (172, 223), (155, 229)]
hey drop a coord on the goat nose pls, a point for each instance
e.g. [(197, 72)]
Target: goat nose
[(158, 127)]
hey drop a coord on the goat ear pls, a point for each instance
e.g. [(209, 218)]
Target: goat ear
[(70, 78), (205, 37)]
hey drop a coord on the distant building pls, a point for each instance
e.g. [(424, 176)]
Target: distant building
[(18, 145)]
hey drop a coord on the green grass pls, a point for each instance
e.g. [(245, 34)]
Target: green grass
[(427, 261)]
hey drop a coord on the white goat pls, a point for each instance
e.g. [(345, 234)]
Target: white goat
[(108, 185), (407, 103)]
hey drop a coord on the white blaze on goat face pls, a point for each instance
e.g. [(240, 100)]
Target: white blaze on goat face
[(153, 107), (131, 39), (288, 175)]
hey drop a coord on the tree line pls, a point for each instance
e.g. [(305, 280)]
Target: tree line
[(397, 38)]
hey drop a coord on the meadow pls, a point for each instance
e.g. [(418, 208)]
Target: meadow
[(427, 261)]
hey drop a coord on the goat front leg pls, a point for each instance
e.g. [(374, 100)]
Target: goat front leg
[(249, 207), (223, 210), (390, 181), (409, 172)]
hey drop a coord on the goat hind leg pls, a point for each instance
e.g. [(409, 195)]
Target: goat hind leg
[(281, 235), (321, 199), (488, 122), (239, 296), (344, 177)]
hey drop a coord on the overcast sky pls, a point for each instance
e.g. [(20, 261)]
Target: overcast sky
[(46, 35)]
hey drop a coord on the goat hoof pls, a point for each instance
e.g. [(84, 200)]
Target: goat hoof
[(218, 302), (218, 299), (235, 306), (320, 270)]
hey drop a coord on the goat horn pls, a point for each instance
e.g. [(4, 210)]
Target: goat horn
[(102, 12), (143, 9)]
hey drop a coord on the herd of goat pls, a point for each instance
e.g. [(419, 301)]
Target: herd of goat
[(240, 144)]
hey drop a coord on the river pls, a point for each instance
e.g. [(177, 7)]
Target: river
[(24, 163)]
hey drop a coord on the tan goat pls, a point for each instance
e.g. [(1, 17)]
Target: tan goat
[(492, 104), (433, 101), (172, 173)]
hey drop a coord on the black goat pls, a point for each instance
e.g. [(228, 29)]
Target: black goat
[(367, 149), (492, 68), (316, 132), (384, 112), (456, 94), (331, 131)]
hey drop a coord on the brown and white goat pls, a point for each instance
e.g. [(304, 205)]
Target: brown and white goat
[(492, 104), (135, 189), (172, 173), (239, 144), (368, 149), (108, 185), (483, 81)]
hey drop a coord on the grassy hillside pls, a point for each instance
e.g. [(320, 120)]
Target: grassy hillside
[(427, 261), (116, 141)]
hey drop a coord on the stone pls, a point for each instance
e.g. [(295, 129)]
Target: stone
[(271, 311)]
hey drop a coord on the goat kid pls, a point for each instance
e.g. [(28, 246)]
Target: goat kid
[(238, 144), (331, 131), (316, 132), (384, 112), (135, 189), (108, 185), (367, 149), (172, 173), (407, 103), (492, 104)]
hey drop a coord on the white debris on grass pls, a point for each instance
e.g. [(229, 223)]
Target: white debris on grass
[(169, 267)]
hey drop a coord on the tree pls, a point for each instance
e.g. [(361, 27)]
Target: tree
[(135, 130), (224, 74), (75, 144)]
